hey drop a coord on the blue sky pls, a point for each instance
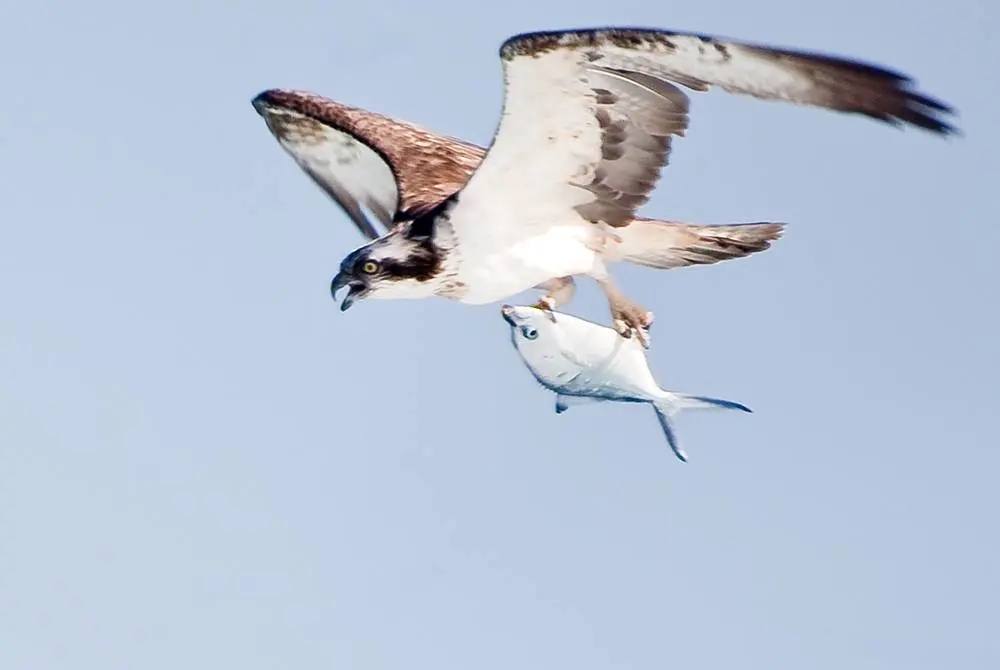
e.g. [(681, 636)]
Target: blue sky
[(206, 464)]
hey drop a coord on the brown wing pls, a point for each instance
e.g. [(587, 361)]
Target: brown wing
[(637, 116), (364, 159)]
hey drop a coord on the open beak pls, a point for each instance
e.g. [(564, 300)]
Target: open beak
[(356, 289)]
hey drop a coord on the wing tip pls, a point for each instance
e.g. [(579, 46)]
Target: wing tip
[(267, 99), (306, 103), (287, 98), (920, 111), (924, 111), (891, 94)]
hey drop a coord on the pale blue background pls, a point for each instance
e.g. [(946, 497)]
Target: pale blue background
[(204, 464)]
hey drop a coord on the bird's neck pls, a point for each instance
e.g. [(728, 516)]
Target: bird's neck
[(446, 243)]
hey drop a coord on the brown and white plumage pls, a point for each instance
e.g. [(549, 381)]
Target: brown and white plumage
[(398, 169), (393, 168), (588, 122)]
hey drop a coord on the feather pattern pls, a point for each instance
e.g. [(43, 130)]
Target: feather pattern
[(316, 131), (589, 115), (700, 61), (393, 168), (674, 244)]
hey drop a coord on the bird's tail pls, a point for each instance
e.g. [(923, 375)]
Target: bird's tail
[(671, 403), (671, 244)]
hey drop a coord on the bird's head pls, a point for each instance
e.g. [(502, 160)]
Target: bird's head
[(395, 266)]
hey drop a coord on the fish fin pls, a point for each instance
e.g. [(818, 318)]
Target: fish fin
[(668, 430), (672, 403), (564, 402), (685, 401)]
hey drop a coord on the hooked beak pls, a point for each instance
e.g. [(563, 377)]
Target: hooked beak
[(356, 289)]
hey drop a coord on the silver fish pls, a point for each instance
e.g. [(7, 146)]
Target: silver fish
[(581, 362)]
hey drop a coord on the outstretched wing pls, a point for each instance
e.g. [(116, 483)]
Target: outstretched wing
[(366, 160), (588, 117)]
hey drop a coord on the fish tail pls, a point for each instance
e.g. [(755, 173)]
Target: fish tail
[(671, 403)]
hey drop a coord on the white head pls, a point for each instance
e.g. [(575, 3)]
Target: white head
[(537, 339), (530, 328), (557, 344)]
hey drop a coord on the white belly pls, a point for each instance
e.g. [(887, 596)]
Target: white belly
[(558, 252)]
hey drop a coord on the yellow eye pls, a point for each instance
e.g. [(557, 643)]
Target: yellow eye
[(370, 267)]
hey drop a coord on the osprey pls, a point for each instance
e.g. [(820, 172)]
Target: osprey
[(586, 127)]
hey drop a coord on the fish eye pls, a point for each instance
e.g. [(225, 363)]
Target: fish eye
[(529, 332), (370, 267)]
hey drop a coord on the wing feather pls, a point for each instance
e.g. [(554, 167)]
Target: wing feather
[(362, 159), (770, 73), (638, 116), (589, 115)]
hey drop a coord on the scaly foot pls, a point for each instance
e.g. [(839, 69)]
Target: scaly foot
[(630, 319), (546, 304), (559, 292)]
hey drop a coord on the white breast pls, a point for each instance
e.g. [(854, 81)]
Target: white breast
[(495, 274)]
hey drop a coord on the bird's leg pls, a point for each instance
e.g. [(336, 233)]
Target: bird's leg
[(628, 317), (559, 291)]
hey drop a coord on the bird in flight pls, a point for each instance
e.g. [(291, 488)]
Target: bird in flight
[(586, 127)]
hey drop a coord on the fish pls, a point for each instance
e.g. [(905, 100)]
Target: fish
[(584, 362)]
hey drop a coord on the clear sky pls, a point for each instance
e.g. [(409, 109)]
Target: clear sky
[(204, 464)]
